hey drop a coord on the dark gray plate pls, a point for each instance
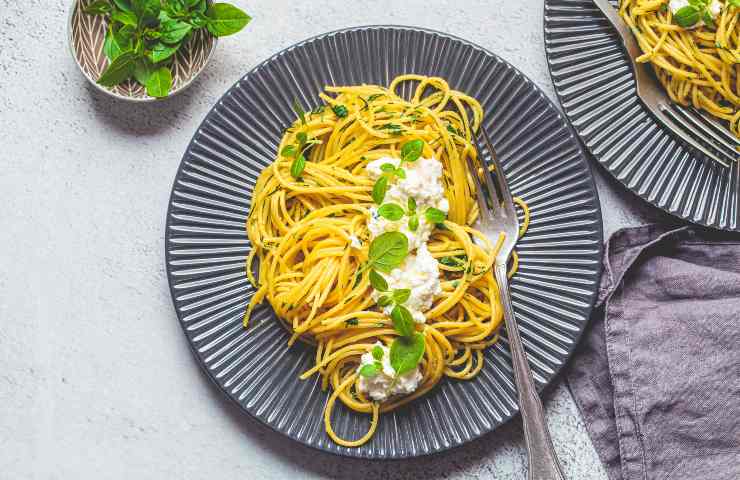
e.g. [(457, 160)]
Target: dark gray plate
[(206, 243), (596, 88)]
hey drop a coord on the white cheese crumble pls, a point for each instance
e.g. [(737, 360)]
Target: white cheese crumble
[(715, 8), (423, 183), (381, 386), (420, 274)]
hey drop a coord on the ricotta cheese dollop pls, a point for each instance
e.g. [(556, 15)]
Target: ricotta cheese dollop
[(423, 183), (381, 386)]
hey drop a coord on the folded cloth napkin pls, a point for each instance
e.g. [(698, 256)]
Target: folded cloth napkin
[(657, 374)]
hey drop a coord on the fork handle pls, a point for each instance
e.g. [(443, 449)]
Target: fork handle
[(543, 463)]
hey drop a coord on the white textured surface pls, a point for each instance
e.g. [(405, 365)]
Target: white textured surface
[(97, 380)]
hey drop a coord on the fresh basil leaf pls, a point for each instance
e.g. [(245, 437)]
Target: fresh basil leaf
[(173, 31), (388, 167), (378, 282), (379, 189), (411, 151), (288, 151), (116, 43), (124, 5), (302, 138), (400, 173), (411, 204), (298, 109), (735, 3), (388, 250), (406, 353), (401, 295), (98, 7), (414, 222), (296, 168), (687, 16), (340, 111), (143, 69), (161, 52), (457, 261), (391, 211), (198, 19), (708, 19), (119, 69), (369, 370), (384, 300), (435, 215), (378, 353), (147, 10), (159, 83), (225, 19), (201, 6), (403, 322), (125, 18), (191, 3)]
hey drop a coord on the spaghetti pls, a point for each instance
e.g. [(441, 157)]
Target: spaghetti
[(698, 66), (308, 228)]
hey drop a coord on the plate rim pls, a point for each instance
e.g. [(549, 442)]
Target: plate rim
[(599, 227), (675, 214)]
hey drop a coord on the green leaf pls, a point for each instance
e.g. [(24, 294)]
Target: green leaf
[(687, 16), (388, 168), (159, 83), (435, 215), (400, 173), (225, 19), (411, 151), (352, 322), (340, 111), (411, 204), (457, 261), (124, 5), (296, 168), (413, 222), (201, 6), (369, 370), (406, 353), (401, 295), (161, 52), (143, 69), (388, 250), (391, 211), (384, 300), (288, 151), (708, 19), (198, 19), (147, 10), (403, 322), (302, 138), (126, 18), (735, 3), (379, 189), (378, 353), (116, 43), (119, 70), (378, 282), (98, 7), (298, 109), (173, 31)]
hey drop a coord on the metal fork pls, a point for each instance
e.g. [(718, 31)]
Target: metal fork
[(501, 217), (689, 124)]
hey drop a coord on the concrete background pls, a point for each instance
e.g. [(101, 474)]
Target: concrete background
[(96, 379)]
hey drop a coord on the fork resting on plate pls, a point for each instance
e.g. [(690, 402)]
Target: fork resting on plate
[(498, 216)]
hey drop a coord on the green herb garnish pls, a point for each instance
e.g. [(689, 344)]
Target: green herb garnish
[(143, 35), (369, 370), (378, 282), (340, 111), (403, 322), (411, 151), (435, 215), (406, 353), (377, 353), (391, 211), (387, 251)]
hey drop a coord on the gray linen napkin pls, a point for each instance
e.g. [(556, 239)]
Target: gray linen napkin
[(657, 375)]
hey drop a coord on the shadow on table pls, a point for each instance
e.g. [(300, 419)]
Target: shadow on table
[(142, 118)]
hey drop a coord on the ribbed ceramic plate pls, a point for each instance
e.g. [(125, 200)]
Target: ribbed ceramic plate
[(206, 244), (596, 88)]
